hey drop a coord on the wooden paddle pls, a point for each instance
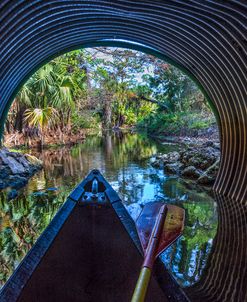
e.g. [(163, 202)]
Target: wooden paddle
[(158, 226)]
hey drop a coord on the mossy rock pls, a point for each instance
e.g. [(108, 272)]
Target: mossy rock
[(34, 160), (191, 172)]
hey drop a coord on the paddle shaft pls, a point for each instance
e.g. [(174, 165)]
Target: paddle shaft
[(149, 258), (142, 285)]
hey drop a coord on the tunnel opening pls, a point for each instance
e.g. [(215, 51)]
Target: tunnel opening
[(128, 45), (111, 43), (60, 161)]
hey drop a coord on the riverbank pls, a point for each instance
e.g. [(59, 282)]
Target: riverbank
[(188, 136), (49, 139), (200, 162), (16, 169)]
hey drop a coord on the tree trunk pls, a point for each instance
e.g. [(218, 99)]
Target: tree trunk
[(107, 112), (18, 125), (7, 126)]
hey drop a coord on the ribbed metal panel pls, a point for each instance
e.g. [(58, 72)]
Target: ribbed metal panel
[(206, 38)]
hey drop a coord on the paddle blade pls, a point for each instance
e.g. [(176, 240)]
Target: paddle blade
[(146, 221), (172, 229)]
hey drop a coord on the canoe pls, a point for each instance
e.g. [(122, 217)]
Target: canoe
[(89, 252)]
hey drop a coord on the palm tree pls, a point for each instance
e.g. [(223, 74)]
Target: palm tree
[(41, 118), (63, 99), (22, 102), (51, 88)]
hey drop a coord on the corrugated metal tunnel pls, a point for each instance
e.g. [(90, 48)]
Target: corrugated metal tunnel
[(207, 39)]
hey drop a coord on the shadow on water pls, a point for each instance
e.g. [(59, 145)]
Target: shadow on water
[(124, 159)]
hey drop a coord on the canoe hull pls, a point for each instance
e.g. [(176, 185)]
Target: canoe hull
[(88, 253)]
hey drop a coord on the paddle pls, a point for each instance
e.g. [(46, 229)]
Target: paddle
[(158, 226)]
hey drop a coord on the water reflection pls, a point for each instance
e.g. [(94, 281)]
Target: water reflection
[(124, 161), (225, 276)]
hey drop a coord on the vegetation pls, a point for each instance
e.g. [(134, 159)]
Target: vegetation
[(106, 88), (178, 123)]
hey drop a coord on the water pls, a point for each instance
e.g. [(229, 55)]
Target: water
[(124, 159)]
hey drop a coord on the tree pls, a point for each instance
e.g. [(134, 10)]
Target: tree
[(41, 118), (110, 87), (170, 87)]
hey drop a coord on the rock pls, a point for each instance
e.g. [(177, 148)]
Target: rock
[(172, 168), (12, 194), (33, 160), (2, 184), (191, 172), (200, 162), (200, 157), (157, 163), (4, 172), (159, 156), (17, 182), (209, 176), (15, 169), (213, 170), (207, 144), (217, 146), (24, 162), (205, 179), (171, 157), (12, 163)]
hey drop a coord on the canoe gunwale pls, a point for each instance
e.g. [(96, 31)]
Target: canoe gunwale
[(17, 281), (14, 286)]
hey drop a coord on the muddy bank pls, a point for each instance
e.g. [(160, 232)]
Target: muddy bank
[(33, 140)]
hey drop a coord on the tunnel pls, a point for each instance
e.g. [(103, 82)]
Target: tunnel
[(206, 39)]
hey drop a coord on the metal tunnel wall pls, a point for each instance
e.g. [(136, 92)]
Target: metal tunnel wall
[(206, 38)]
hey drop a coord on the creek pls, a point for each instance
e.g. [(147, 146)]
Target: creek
[(124, 160)]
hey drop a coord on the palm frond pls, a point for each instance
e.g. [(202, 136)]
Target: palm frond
[(41, 117)]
